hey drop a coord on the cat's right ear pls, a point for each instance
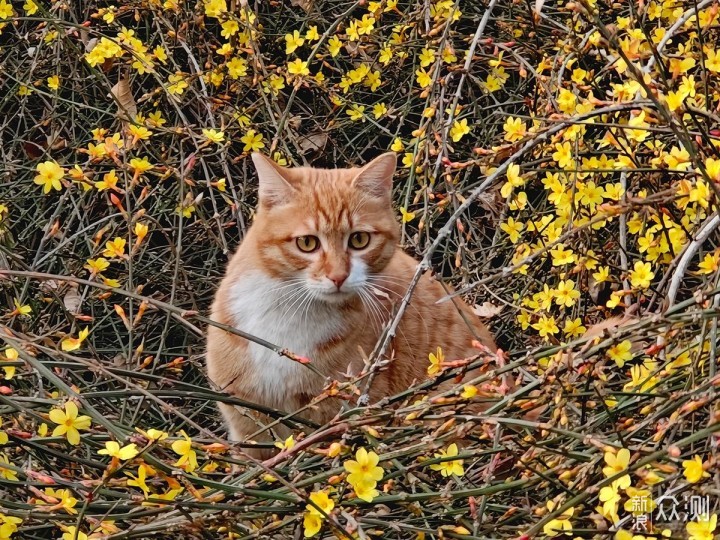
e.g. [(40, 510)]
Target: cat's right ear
[(274, 189)]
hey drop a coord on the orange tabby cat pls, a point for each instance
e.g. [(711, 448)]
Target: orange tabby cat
[(319, 273)]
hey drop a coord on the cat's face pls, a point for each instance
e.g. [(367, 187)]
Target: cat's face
[(326, 231)]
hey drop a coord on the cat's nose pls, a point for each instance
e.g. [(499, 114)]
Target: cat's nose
[(338, 279)]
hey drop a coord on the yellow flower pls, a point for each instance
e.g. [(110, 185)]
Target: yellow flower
[(298, 67), (561, 256), (21, 310), (334, 45), (176, 84), (322, 504), (97, 266), (113, 449), (694, 471), (188, 457), (610, 497), (72, 533), (109, 181), (155, 434), (70, 344), (514, 129), (356, 112), (366, 25), (30, 7), (293, 41), (621, 353), (703, 528), (139, 481), (49, 176), (287, 444), (397, 145), (574, 327), (364, 468), (514, 180), (560, 524), (436, 361), (140, 230), (65, 499), (469, 391), (379, 110), (160, 53), (423, 78), (513, 229), (452, 467), (53, 82), (139, 132), (546, 326), (214, 135), (140, 165), (602, 274), (366, 491), (459, 129), (386, 55), (312, 33), (69, 423), (6, 10), (566, 294), (215, 8), (253, 141), (229, 28), (641, 276), (11, 355), (406, 216), (426, 57), (563, 155), (6, 472), (616, 462), (640, 501), (115, 248), (237, 67), (312, 523)]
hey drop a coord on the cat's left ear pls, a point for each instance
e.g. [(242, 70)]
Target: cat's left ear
[(376, 177), (275, 189)]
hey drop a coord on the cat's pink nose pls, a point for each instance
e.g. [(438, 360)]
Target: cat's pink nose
[(338, 279)]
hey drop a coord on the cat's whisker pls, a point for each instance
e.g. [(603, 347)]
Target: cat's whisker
[(297, 298), (376, 305), (306, 297), (294, 282), (369, 309)]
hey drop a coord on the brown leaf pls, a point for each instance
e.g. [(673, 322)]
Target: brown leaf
[(304, 4), (313, 141), (127, 109), (72, 300), (487, 310)]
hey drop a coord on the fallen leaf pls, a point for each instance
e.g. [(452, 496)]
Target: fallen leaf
[(304, 4), (127, 109), (72, 300), (486, 310)]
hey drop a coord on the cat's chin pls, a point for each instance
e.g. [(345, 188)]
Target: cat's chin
[(336, 297)]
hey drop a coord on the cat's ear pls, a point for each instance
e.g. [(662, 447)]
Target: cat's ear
[(275, 189), (377, 176)]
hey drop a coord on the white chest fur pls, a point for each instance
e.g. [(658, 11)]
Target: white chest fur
[(272, 310)]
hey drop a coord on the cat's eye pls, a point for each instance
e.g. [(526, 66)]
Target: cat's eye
[(307, 244), (359, 240)]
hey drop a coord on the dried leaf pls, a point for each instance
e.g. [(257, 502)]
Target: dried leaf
[(487, 310), (306, 5), (72, 300), (313, 141), (127, 109)]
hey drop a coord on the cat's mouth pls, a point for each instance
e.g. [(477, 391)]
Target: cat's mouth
[(335, 296)]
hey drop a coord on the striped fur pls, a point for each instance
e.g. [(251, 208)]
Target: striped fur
[(275, 291)]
